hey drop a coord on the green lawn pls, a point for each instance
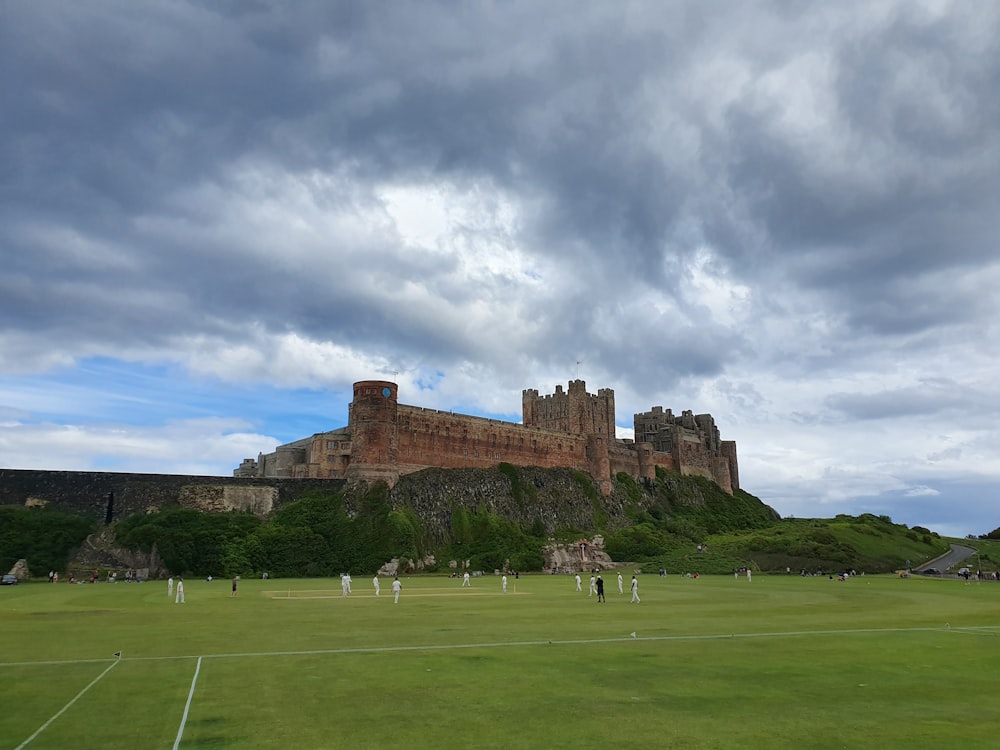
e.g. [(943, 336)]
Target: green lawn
[(782, 662)]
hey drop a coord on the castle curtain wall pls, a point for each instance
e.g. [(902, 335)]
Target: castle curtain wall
[(566, 429)]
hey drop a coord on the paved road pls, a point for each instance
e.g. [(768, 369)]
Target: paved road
[(958, 553)]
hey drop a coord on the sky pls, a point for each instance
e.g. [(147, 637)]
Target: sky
[(215, 217)]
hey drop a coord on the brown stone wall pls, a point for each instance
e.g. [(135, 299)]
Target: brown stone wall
[(434, 438), (728, 451)]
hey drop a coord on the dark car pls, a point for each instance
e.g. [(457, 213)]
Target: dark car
[(9, 579), (930, 571)]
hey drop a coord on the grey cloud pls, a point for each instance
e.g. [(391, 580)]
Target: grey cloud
[(933, 399)]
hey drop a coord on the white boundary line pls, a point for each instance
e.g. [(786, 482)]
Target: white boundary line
[(187, 706), (64, 708), (992, 630)]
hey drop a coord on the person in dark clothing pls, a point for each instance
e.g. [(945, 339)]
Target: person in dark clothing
[(600, 589)]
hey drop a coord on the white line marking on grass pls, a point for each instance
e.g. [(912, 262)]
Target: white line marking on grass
[(982, 630), (187, 706), (64, 708), (972, 631)]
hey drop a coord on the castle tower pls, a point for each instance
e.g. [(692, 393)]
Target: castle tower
[(575, 412), (374, 436), (728, 451)]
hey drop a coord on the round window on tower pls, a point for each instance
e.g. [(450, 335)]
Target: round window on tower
[(387, 392)]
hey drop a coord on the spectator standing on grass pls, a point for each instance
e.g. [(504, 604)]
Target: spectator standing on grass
[(396, 588), (236, 579), (375, 584), (579, 583), (170, 587), (179, 598), (635, 591), (600, 589)]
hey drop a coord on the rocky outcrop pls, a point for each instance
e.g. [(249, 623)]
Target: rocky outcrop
[(577, 557), (20, 570), (100, 552), (558, 498)]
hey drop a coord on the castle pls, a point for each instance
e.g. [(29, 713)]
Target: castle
[(573, 429)]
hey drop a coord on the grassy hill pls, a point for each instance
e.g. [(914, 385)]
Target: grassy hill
[(681, 524)]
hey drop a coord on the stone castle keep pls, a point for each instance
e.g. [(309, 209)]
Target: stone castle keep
[(566, 429)]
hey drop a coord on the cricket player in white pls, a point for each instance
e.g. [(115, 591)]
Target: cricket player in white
[(375, 584), (620, 591), (465, 580), (579, 586), (179, 599), (396, 588), (635, 591), (593, 586), (170, 587), (503, 584)]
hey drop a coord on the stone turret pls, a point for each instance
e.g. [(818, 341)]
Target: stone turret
[(374, 434)]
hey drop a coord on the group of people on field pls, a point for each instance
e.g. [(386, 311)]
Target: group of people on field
[(597, 587)]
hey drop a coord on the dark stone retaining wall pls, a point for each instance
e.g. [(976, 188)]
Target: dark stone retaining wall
[(86, 493)]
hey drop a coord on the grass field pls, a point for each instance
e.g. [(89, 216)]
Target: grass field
[(779, 662)]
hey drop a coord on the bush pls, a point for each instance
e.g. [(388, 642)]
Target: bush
[(41, 536)]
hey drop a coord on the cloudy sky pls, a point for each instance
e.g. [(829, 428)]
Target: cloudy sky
[(216, 216)]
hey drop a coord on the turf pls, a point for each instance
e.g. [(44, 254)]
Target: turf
[(780, 662)]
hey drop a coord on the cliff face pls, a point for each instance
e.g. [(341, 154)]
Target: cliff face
[(553, 495), (559, 498)]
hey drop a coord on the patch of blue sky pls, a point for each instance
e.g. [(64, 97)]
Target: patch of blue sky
[(105, 390)]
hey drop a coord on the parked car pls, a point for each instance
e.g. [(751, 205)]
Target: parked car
[(9, 579), (930, 571)]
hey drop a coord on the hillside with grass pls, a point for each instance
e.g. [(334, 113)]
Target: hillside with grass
[(498, 518)]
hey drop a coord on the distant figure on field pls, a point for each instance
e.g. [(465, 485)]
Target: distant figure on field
[(579, 583), (349, 580), (635, 591), (503, 584), (375, 583), (343, 583), (620, 581), (396, 588), (600, 589), (170, 587), (749, 577), (236, 579), (593, 586), (465, 580), (179, 598)]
